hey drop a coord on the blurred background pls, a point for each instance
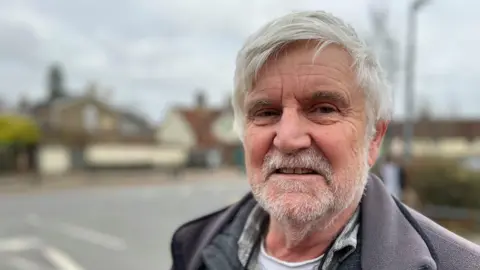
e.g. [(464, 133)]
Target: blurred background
[(115, 119)]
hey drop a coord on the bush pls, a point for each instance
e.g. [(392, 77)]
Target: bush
[(444, 182), (18, 129)]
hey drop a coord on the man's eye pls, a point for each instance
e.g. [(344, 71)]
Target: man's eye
[(325, 109), (266, 113)]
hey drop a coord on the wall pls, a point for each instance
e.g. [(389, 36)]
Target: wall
[(53, 159), (117, 155), (107, 121), (223, 129), (135, 155), (170, 156), (175, 131), (71, 116)]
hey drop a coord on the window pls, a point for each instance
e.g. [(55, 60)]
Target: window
[(128, 128), (90, 118)]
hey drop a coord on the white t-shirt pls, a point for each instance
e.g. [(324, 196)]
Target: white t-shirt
[(268, 262)]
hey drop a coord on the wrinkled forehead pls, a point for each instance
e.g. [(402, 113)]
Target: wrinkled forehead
[(302, 69), (305, 57)]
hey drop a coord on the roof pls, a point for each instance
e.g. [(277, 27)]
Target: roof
[(135, 118), (68, 100), (60, 101), (201, 122)]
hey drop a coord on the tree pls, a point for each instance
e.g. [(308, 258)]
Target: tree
[(16, 129), (56, 87)]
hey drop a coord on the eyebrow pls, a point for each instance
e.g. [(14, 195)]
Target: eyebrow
[(257, 104), (332, 96)]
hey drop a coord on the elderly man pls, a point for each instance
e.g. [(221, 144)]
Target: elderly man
[(311, 107)]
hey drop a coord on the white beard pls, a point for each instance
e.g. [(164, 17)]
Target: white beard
[(305, 204)]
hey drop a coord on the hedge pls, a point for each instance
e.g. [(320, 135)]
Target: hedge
[(444, 182)]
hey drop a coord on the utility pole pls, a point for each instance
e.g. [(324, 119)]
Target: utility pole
[(410, 61), (385, 47)]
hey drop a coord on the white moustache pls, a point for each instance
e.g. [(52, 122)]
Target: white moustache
[(309, 159)]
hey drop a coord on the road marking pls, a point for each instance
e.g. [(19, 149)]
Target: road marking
[(18, 244), (56, 257), (91, 236), (60, 259), (23, 264), (80, 233)]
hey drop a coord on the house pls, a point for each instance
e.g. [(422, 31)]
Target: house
[(204, 133), (86, 119), (86, 132), (455, 138)]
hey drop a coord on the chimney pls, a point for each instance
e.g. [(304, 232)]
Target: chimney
[(201, 101), (92, 90)]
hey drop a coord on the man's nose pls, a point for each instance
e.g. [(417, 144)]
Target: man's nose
[(291, 135)]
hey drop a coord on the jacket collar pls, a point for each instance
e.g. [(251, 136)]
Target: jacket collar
[(389, 241)]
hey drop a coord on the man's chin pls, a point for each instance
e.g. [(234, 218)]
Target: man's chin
[(294, 199), (295, 207)]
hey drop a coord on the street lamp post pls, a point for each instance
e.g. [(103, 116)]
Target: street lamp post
[(410, 54)]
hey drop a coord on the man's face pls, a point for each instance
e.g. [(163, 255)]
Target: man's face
[(307, 153)]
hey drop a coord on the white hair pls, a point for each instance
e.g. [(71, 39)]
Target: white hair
[(326, 29)]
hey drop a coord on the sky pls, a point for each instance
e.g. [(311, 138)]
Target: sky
[(152, 54)]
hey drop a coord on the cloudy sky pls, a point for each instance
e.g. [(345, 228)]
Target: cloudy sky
[(155, 53)]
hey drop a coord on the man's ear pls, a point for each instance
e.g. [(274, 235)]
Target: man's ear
[(376, 141)]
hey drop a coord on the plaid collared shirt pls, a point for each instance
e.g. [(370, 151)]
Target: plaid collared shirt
[(346, 241)]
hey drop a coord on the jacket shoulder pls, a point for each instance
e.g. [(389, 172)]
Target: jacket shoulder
[(195, 226), (453, 251), (187, 236), (189, 239)]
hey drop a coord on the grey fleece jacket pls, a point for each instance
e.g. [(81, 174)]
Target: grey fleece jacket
[(394, 237)]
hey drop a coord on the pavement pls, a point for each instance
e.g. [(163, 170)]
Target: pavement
[(83, 179), (119, 227)]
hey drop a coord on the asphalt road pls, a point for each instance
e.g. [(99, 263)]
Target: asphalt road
[(116, 228), (107, 228)]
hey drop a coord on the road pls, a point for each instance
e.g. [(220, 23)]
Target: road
[(107, 228), (103, 228)]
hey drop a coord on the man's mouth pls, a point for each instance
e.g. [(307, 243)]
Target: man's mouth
[(295, 171)]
